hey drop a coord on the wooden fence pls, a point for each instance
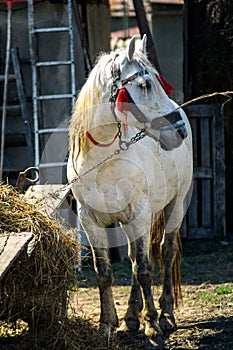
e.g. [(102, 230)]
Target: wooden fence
[(205, 217)]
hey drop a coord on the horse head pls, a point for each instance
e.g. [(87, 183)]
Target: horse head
[(138, 95)]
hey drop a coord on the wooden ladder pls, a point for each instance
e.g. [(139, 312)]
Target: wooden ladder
[(11, 109)]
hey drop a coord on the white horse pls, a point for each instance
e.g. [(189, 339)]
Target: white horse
[(130, 160)]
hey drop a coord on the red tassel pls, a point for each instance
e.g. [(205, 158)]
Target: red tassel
[(168, 88), (122, 102)]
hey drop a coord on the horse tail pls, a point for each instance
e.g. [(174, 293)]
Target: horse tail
[(157, 236), (176, 275)]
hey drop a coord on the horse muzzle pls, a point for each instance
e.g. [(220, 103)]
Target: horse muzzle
[(173, 135), (172, 130)]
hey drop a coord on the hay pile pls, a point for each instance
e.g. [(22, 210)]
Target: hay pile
[(35, 287), (33, 293)]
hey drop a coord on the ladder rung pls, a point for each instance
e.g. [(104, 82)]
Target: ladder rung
[(52, 165), (15, 108), (11, 77), (55, 97), (51, 30), (53, 63), (52, 130)]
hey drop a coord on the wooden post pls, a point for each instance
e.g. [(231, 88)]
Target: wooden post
[(144, 29), (98, 19)]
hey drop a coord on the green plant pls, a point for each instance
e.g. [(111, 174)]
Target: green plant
[(224, 289)]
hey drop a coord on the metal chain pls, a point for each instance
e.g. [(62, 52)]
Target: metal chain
[(123, 146), (103, 161), (5, 244)]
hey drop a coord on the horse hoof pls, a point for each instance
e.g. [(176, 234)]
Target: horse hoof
[(132, 324), (167, 325), (154, 343), (106, 330), (154, 335)]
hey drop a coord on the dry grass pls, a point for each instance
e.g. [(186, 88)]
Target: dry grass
[(34, 298), (35, 287)]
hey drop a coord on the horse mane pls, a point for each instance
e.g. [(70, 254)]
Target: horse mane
[(91, 95)]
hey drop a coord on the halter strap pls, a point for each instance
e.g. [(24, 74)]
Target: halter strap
[(166, 120), (156, 123), (99, 144), (162, 123), (133, 108)]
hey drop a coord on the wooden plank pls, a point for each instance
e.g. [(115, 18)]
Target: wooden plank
[(206, 206), (184, 226), (203, 172), (192, 218), (11, 247), (200, 111), (219, 173), (206, 214), (193, 123), (50, 196), (206, 149), (200, 233), (205, 141)]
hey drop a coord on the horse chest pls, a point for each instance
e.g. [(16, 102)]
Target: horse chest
[(132, 179)]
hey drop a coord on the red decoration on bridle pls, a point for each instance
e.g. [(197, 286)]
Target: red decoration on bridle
[(123, 99), (122, 102), (168, 88)]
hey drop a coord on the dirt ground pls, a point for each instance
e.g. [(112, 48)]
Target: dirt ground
[(205, 316)]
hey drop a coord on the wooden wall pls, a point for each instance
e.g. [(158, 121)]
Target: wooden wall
[(206, 215)]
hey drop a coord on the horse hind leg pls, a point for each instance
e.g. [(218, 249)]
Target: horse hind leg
[(142, 271), (171, 249)]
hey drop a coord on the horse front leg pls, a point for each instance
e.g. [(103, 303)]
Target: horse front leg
[(135, 303), (98, 240), (171, 281), (103, 268)]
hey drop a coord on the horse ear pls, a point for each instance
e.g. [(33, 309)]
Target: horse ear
[(131, 48), (142, 46)]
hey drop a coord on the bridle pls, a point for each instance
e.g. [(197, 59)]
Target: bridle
[(170, 121), (115, 71)]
